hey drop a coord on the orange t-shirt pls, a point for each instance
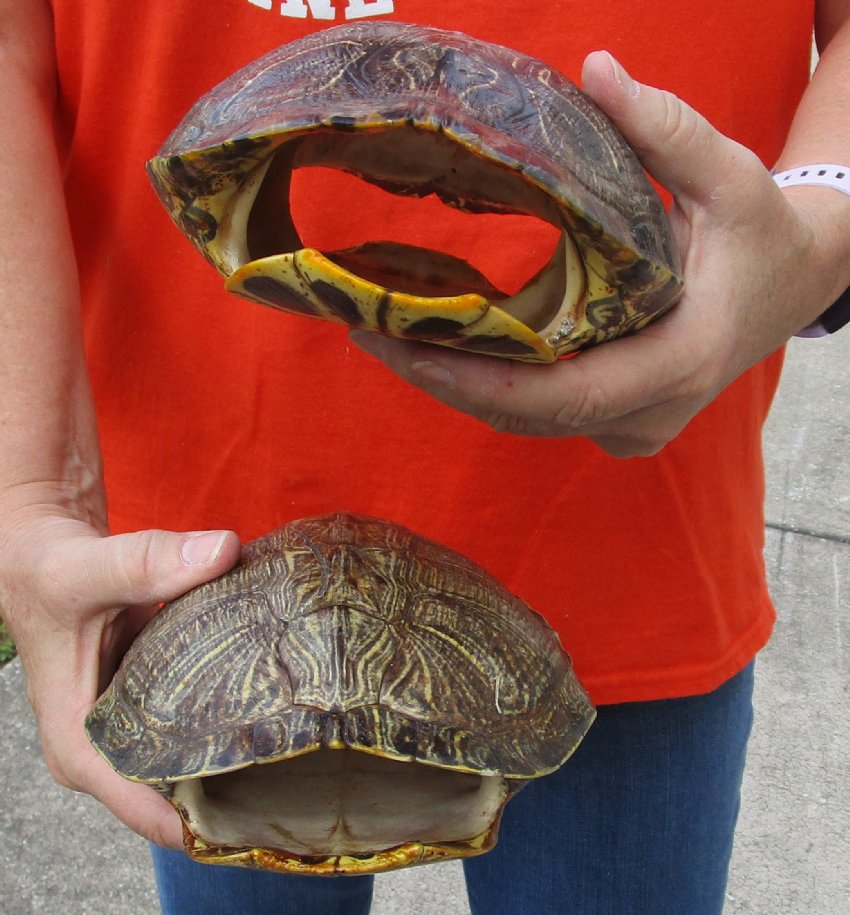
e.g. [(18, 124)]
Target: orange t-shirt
[(215, 411)]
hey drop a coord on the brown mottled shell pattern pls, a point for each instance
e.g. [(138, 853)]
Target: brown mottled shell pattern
[(548, 151), (343, 631)]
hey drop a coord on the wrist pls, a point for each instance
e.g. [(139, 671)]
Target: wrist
[(821, 196), (24, 503), (54, 467)]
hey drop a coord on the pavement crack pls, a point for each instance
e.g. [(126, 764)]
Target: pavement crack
[(830, 536)]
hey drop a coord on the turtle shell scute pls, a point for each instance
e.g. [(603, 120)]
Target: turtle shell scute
[(343, 631), (499, 103)]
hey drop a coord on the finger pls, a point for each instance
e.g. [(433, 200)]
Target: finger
[(137, 806), (491, 390), (580, 396), (97, 573), (74, 763), (676, 145)]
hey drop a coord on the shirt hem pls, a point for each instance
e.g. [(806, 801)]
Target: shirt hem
[(683, 680)]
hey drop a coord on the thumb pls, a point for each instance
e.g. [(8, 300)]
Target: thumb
[(676, 145), (141, 568)]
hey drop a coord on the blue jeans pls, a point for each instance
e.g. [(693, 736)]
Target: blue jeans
[(639, 822)]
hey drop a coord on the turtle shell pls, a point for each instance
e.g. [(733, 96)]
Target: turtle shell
[(421, 111), (363, 667)]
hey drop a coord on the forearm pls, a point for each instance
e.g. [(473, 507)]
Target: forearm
[(820, 133), (47, 428)]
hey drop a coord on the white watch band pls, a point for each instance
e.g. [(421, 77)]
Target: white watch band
[(836, 177)]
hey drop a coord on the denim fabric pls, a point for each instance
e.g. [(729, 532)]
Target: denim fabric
[(639, 822), (188, 888)]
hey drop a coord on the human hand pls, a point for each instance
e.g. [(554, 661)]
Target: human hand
[(756, 267), (74, 600)]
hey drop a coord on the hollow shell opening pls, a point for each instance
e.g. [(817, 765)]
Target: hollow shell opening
[(259, 246), (339, 802), (318, 194)]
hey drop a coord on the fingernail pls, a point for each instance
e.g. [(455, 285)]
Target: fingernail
[(203, 548), (434, 373), (623, 78)]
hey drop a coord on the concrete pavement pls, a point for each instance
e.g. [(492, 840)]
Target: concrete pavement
[(61, 854)]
